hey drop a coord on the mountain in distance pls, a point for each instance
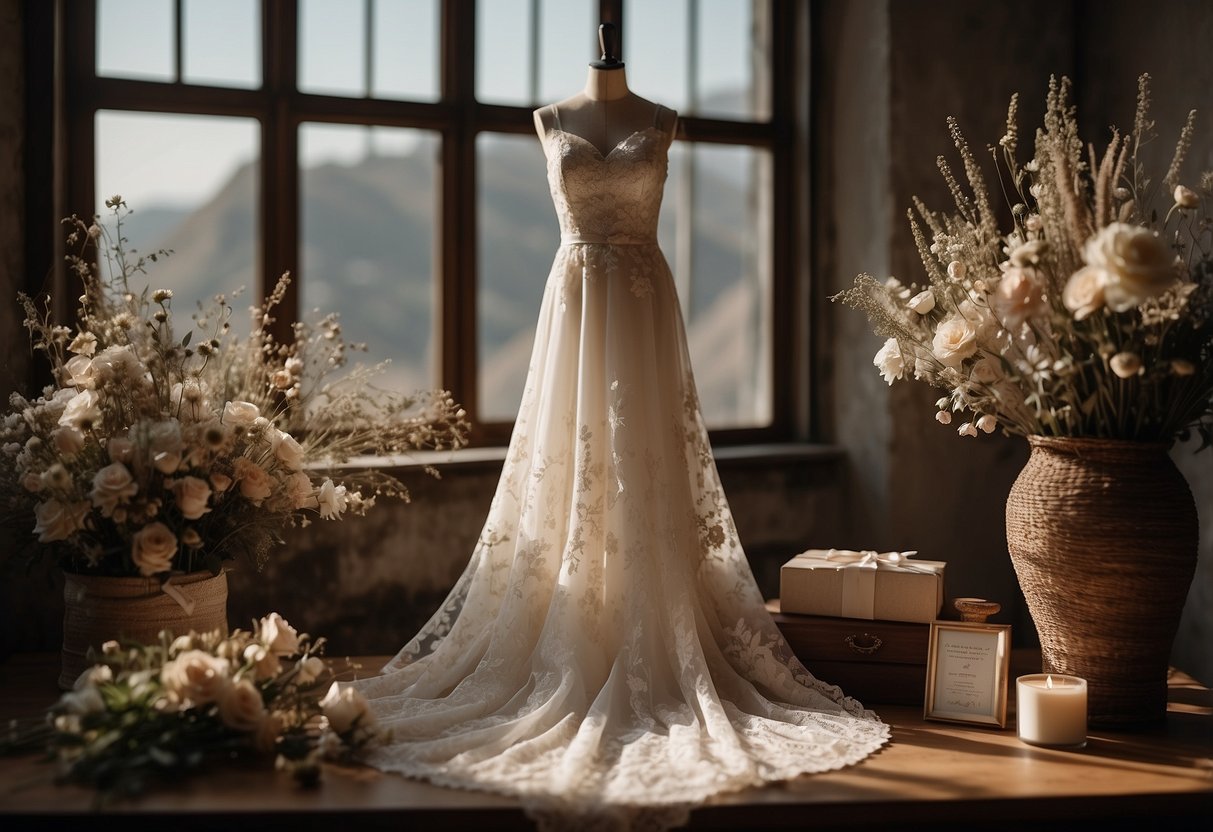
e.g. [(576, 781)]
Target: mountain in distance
[(368, 245)]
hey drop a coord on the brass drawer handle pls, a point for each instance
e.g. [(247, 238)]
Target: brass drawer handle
[(873, 643)]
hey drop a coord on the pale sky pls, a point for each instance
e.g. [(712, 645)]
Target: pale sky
[(181, 161)]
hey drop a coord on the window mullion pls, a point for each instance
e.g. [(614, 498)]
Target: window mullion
[(279, 168)]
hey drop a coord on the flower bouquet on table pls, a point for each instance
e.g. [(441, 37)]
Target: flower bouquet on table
[(155, 712), (1086, 326), (158, 451)]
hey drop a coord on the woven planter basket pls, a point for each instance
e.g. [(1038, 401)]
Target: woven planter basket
[(1103, 535), (98, 609)]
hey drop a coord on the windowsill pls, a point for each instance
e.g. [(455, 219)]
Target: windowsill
[(492, 458)]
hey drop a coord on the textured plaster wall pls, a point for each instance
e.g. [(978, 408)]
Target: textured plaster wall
[(1168, 39)]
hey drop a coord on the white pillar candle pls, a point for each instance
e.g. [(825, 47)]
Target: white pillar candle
[(1052, 709)]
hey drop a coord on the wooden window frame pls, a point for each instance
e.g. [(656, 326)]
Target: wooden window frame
[(280, 109)]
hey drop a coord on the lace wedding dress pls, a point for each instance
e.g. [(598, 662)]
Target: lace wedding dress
[(606, 647)]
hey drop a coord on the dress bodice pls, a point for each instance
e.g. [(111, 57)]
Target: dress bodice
[(614, 198)]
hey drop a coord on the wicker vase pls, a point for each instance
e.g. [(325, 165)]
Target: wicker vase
[(1103, 535), (98, 609)]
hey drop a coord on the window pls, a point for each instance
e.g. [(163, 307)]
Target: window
[(383, 151)]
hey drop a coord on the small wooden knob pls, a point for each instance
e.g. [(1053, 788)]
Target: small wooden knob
[(976, 609)]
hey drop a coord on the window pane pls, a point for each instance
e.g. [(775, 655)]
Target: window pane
[(368, 202), (568, 41), (192, 184), (503, 51), (405, 49), (518, 237), (223, 42), (135, 39), (701, 57), (716, 232), (332, 47), (655, 51)]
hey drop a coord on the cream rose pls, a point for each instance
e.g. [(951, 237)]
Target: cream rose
[(923, 302), (117, 363), (1084, 292), (113, 485), (278, 636), (240, 414), (120, 449), (221, 482), (255, 483), (241, 707), (67, 441), (80, 372), (55, 520), (153, 548), (287, 449), (1019, 297), (83, 410), (299, 489), (265, 664), (345, 709), (1135, 261), (986, 371), (164, 445), (192, 494), (196, 677), (890, 362), (955, 340)]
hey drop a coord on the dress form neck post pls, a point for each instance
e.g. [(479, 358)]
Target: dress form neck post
[(606, 84)]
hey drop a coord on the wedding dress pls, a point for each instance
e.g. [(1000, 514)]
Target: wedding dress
[(606, 647)]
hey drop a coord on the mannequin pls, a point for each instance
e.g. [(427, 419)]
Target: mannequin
[(606, 112)]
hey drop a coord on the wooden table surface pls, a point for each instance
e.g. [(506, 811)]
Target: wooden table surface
[(931, 774)]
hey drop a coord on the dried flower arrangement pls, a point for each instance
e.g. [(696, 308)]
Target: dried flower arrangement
[(157, 453), (1091, 317)]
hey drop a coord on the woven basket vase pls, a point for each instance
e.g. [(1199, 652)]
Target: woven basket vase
[(98, 609), (1103, 535)]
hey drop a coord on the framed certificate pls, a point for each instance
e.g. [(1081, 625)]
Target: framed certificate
[(967, 670)]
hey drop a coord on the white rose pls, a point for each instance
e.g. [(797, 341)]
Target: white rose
[(153, 548), (955, 340), (890, 362), (118, 363), (67, 441), (1019, 297), (241, 707), (299, 489), (220, 482), (276, 634), (195, 677), (923, 302), (287, 449), (331, 499), (240, 414), (1126, 364), (80, 372), (345, 708), (310, 669), (113, 485), (1135, 261), (84, 344), (120, 449), (986, 371), (1084, 292), (57, 521), (82, 411), (164, 445), (255, 483), (266, 665), (192, 494)]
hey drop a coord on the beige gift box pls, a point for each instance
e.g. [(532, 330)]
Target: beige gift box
[(887, 586)]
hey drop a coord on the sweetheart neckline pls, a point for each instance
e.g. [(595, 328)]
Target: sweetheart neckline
[(610, 152)]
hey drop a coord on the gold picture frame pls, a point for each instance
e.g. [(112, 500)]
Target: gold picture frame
[(968, 669)]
